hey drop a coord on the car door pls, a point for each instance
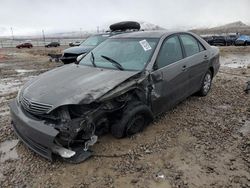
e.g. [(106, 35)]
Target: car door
[(170, 76), (197, 61)]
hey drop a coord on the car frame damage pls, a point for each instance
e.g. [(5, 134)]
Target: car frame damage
[(80, 125), (77, 127)]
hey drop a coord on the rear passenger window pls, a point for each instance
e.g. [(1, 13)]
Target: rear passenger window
[(170, 52), (190, 44)]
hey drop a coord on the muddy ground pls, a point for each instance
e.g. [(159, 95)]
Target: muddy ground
[(203, 142)]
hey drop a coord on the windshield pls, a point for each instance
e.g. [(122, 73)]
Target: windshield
[(94, 40), (244, 37), (131, 54)]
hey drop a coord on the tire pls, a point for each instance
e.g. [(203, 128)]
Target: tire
[(206, 84), (135, 117), (101, 123), (124, 26)]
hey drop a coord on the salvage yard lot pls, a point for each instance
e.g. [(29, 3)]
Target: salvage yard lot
[(203, 142)]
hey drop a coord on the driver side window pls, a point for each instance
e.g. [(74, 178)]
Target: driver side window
[(170, 52)]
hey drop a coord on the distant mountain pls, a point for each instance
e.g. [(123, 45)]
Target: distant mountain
[(75, 34), (149, 26), (234, 27), (144, 26)]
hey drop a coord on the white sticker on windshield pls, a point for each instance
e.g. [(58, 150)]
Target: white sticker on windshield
[(145, 45)]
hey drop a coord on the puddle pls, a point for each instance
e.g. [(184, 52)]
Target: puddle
[(8, 150), (23, 71), (3, 65), (235, 60), (9, 86), (245, 129)]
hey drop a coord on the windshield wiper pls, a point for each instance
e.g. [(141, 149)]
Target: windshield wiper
[(92, 59), (115, 63)]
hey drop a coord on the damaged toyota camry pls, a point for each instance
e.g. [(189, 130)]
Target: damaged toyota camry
[(118, 87)]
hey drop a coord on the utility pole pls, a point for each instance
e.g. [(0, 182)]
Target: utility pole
[(97, 29), (12, 33), (44, 41), (81, 33), (12, 36)]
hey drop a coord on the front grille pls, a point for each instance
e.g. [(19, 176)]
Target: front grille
[(69, 55), (35, 107)]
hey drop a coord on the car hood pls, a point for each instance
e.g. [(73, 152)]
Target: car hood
[(78, 50), (73, 84)]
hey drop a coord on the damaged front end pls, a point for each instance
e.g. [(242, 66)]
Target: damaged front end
[(78, 128), (80, 125), (69, 130)]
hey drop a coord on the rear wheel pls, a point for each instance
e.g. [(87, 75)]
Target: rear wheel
[(135, 117), (206, 84)]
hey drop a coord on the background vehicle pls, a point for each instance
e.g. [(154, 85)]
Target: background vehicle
[(120, 86), (219, 41), (69, 55), (230, 39), (76, 43), (243, 40), (25, 45), (52, 44), (208, 39)]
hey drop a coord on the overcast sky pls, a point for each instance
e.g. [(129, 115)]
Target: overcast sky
[(31, 16)]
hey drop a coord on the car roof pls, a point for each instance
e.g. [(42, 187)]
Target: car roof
[(144, 34), (158, 34)]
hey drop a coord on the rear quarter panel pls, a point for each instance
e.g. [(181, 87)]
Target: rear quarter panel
[(215, 59)]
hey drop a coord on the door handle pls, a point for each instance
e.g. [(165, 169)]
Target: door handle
[(184, 67)]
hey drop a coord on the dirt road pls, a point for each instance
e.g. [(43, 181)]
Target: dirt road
[(203, 142)]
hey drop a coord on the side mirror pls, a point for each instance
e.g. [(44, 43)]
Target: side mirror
[(157, 77), (79, 58)]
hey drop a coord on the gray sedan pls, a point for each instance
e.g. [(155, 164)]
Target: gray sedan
[(118, 87)]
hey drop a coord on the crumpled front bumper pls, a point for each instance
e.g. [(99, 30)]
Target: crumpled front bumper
[(40, 137), (34, 133)]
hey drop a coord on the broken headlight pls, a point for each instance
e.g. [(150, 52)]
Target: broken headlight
[(18, 98)]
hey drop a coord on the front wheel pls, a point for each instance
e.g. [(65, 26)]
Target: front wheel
[(135, 117), (206, 84)]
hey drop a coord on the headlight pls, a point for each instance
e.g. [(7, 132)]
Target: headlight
[(19, 95), (79, 58)]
